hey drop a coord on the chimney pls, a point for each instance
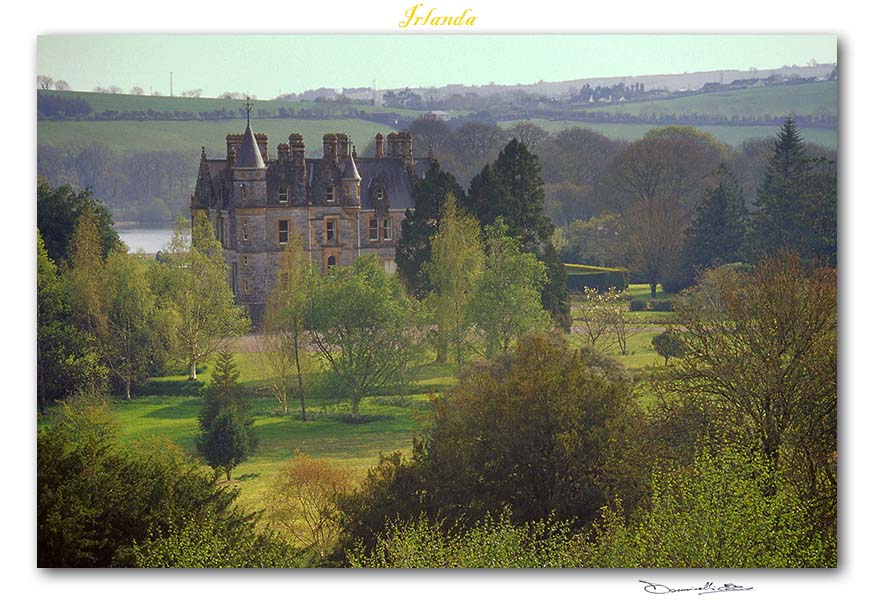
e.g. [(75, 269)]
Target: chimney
[(234, 141), (342, 145), (298, 149), (330, 150), (379, 145), (283, 153)]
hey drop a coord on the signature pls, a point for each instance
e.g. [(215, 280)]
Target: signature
[(708, 588)]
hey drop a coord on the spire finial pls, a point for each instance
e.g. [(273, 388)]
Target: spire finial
[(247, 107)]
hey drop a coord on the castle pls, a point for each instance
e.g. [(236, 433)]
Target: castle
[(342, 205)]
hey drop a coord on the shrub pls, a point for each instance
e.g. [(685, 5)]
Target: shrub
[(661, 305), (638, 304), (668, 344)]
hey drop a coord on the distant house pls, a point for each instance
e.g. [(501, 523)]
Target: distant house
[(438, 115)]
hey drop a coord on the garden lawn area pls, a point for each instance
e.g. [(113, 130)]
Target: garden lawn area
[(169, 407)]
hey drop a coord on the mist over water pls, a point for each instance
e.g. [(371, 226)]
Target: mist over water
[(145, 239)]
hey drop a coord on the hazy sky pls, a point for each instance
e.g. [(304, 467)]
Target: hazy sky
[(265, 65)]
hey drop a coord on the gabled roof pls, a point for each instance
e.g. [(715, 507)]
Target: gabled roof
[(249, 156)]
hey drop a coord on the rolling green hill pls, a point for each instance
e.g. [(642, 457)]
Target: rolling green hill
[(817, 99), (188, 136)]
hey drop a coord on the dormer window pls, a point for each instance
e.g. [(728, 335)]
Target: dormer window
[(329, 193), (283, 195), (379, 194)]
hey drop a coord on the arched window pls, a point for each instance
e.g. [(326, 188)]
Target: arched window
[(331, 261)]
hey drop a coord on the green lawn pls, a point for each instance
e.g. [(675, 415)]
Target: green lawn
[(170, 405)]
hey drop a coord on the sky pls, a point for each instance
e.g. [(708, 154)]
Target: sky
[(267, 65)]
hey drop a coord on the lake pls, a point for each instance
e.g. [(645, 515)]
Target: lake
[(145, 239)]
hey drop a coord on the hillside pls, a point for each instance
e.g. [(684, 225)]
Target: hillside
[(187, 136), (816, 99)]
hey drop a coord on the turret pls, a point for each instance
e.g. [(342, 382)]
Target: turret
[(351, 183)]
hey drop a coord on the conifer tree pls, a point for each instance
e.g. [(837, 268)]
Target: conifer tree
[(419, 226), (717, 233), (796, 202)]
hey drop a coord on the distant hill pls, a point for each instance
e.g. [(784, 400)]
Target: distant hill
[(815, 99)]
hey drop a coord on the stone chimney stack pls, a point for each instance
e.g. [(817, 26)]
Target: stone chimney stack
[(234, 140), (298, 149), (343, 147), (262, 145), (330, 149), (283, 151), (379, 145), (400, 146)]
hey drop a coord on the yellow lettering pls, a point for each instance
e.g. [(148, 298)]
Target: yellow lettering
[(409, 14)]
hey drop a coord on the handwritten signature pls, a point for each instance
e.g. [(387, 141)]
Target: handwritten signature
[(708, 588)]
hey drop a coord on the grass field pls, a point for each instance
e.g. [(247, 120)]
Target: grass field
[(169, 406), (188, 136), (818, 98), (732, 135)]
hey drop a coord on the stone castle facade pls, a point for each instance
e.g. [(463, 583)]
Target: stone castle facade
[(342, 205)]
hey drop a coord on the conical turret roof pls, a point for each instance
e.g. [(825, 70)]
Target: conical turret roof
[(249, 156), (350, 171)]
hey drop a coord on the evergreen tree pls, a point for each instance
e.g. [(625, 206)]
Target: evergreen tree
[(717, 233), (223, 393), (512, 190), (419, 226), (796, 202), (226, 442)]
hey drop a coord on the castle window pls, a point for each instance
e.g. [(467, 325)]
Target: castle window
[(245, 231), (329, 193), (242, 192), (379, 194), (245, 260), (331, 261), (387, 228), (244, 286), (373, 229), (331, 233), (283, 231), (283, 195)]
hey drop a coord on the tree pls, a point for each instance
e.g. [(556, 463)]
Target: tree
[(44, 82), (62, 86), (420, 224), (364, 327), (717, 513), (656, 182), (282, 350), (762, 357), (717, 233), (668, 344), (67, 359), (797, 202), (226, 442), (528, 133), (512, 190), (99, 496), (224, 393), (506, 302), (431, 134), (192, 282), (302, 501), (58, 211), (85, 276), (134, 329), (457, 256)]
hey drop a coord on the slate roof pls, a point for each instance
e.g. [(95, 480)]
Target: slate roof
[(249, 155)]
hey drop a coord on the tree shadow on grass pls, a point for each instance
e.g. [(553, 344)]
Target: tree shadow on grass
[(184, 409), (171, 387)]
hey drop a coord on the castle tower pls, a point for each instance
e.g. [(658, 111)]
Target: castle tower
[(351, 182)]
